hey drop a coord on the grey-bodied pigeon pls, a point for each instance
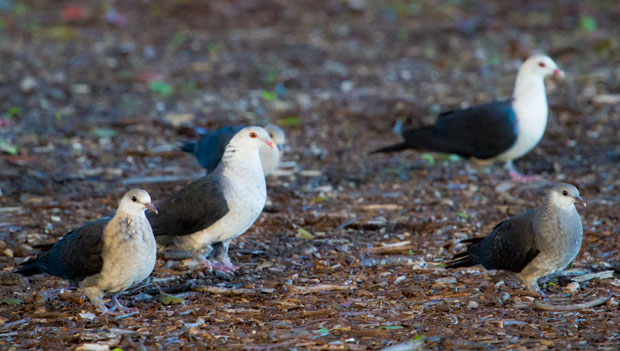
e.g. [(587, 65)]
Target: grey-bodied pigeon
[(210, 148), (219, 206), (496, 131), (534, 244), (104, 256)]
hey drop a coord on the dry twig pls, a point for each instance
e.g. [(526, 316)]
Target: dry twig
[(574, 307)]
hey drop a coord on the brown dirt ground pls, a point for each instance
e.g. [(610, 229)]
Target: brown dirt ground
[(337, 74)]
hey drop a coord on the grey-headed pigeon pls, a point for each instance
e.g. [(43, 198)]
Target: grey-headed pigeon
[(210, 148), (534, 244), (496, 131), (104, 256), (220, 206)]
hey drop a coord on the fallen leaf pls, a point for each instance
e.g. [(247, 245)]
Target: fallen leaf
[(8, 301), (304, 234), (168, 299)]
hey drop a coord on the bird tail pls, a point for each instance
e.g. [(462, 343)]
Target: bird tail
[(463, 259), (188, 146), (29, 267), (418, 138)]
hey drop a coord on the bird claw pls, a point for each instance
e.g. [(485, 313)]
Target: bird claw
[(225, 268)]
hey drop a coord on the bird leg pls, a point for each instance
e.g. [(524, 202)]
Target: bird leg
[(221, 255), (532, 285), (95, 295), (117, 304), (518, 177)]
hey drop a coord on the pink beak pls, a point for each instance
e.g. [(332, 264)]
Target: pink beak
[(270, 143), (558, 73)]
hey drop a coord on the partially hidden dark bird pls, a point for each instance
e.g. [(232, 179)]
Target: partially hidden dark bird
[(210, 148), (495, 131)]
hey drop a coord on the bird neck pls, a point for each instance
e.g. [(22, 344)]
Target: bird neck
[(247, 159), (529, 93)]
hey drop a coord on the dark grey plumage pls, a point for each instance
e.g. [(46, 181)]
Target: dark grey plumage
[(483, 132), (74, 257), (210, 148), (534, 244)]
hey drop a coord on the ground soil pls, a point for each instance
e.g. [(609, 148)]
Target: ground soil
[(91, 106)]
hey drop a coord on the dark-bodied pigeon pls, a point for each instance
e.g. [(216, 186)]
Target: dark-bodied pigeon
[(496, 131), (210, 148), (534, 244), (106, 255), (220, 206)]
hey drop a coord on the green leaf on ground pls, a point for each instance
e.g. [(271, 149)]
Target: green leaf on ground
[(14, 111), (429, 158), (8, 148), (323, 332), (103, 132), (392, 327), (270, 95), (62, 32), (162, 88), (168, 299), (588, 24), (289, 121), (12, 302), (304, 234), (317, 199)]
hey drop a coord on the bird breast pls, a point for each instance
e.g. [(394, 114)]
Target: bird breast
[(128, 255)]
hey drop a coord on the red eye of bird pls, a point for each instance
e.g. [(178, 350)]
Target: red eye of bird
[(541, 64), (253, 135)]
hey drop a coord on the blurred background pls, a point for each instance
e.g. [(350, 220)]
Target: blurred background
[(134, 75)]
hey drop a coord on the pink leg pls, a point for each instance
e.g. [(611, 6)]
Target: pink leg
[(518, 177)]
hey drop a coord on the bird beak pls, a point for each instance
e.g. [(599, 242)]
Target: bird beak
[(559, 73), (270, 143), (152, 207), (281, 147), (580, 200)]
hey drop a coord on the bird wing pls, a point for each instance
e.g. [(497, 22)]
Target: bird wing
[(510, 246), (210, 148), (482, 131), (195, 207), (76, 255)]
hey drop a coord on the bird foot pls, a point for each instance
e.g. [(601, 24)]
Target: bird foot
[(208, 265), (120, 306), (521, 178), (225, 268)]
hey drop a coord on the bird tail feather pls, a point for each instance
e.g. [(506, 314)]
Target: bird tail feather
[(463, 259), (419, 138), (391, 148), (188, 146), (29, 267)]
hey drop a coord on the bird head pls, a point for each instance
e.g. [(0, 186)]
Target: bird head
[(276, 134), (136, 201), (251, 138), (565, 195), (542, 66)]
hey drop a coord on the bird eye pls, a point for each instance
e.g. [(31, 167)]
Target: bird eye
[(134, 199), (541, 64), (565, 193), (253, 135)]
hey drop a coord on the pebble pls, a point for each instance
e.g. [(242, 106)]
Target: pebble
[(472, 305), (28, 84), (572, 288)]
